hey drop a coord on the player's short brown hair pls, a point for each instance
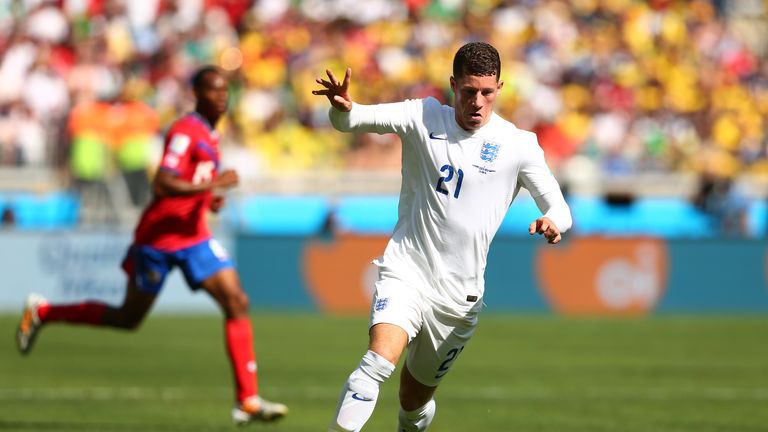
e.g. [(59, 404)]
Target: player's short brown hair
[(478, 59), (198, 78)]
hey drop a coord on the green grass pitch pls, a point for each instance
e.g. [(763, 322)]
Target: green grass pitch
[(519, 373)]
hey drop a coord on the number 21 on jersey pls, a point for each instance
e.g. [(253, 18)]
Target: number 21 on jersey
[(443, 181)]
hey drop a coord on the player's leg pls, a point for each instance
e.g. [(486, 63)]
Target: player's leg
[(209, 267), (137, 302), (146, 269), (417, 406), (360, 392), (431, 354), (224, 287), (395, 320), (132, 311), (38, 311)]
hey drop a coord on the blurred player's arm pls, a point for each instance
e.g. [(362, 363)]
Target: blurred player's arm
[(167, 183), (349, 116)]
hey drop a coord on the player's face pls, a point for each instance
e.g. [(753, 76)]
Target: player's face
[(474, 99), (213, 94)]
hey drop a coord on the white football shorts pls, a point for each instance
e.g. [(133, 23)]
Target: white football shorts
[(436, 337)]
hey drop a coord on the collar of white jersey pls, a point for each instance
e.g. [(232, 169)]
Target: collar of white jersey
[(477, 132)]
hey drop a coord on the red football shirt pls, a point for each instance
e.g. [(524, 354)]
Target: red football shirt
[(175, 222)]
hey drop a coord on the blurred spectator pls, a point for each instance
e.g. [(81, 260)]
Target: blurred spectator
[(8, 218), (45, 91), (89, 163), (19, 55), (724, 201), (46, 23), (635, 86), (22, 137), (235, 155), (133, 128), (372, 152)]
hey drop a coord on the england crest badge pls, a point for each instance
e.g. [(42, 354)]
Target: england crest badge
[(488, 152)]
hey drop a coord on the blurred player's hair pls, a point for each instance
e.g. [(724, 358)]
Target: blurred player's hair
[(478, 59), (198, 78)]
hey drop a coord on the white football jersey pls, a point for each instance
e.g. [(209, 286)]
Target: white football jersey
[(457, 186)]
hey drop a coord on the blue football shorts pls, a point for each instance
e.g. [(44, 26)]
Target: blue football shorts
[(148, 266)]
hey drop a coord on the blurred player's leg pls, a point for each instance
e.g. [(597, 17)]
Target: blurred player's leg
[(89, 312), (224, 287), (30, 322), (38, 311), (417, 407), (239, 339), (128, 315), (257, 409), (358, 397), (132, 312)]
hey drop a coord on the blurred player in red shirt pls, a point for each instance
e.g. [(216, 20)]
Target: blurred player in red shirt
[(173, 232)]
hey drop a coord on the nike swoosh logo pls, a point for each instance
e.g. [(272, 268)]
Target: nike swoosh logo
[(437, 137), (361, 398)]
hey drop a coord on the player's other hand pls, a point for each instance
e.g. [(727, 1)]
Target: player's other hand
[(227, 179), (336, 91), (544, 225), (217, 202)]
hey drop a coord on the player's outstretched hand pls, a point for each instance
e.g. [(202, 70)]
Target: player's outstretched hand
[(227, 179), (336, 92), (544, 225)]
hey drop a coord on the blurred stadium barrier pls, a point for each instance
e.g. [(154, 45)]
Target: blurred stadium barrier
[(70, 265), (281, 215), (596, 275), (303, 215), (294, 262), (366, 214), (30, 211)]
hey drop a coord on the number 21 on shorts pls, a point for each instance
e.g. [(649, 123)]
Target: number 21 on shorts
[(449, 359)]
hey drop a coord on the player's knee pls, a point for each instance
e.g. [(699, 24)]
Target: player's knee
[(132, 323), (242, 301), (236, 303), (126, 325), (129, 321)]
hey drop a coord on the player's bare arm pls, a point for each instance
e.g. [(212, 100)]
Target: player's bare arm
[(545, 226), (168, 184), (336, 91)]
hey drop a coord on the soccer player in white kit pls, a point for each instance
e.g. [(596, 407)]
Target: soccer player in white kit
[(462, 167)]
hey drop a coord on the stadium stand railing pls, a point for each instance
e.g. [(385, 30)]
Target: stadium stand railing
[(46, 211), (280, 215)]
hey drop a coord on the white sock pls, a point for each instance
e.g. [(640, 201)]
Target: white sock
[(417, 420), (358, 397)]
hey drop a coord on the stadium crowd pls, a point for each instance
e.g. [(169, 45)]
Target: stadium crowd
[(623, 86)]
